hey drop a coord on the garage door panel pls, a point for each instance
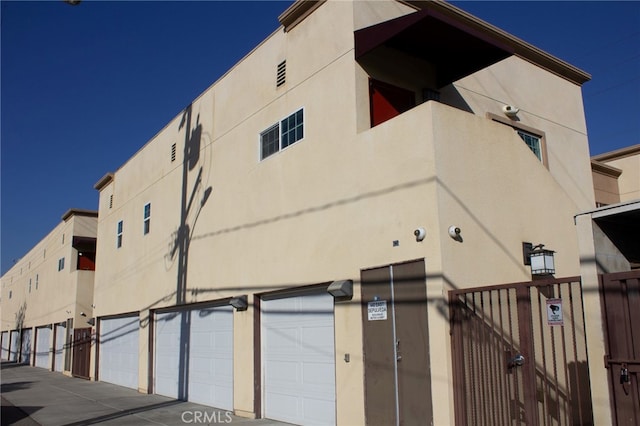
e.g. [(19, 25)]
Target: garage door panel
[(210, 363), (118, 358), (167, 357), (43, 336), (58, 354), (211, 357), (299, 359)]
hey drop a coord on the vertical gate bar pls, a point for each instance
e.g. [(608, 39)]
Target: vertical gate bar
[(456, 349), (525, 329), (472, 358), (482, 365), (514, 382), (502, 370), (553, 384), (566, 405), (575, 355), (491, 361), (545, 384)]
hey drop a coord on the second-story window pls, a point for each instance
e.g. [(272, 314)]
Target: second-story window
[(282, 134), (61, 264), (147, 218), (119, 235), (533, 142)]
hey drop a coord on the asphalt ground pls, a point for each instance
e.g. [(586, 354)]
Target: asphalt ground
[(33, 396)]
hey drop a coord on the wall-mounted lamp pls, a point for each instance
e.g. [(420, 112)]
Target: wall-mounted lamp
[(82, 314), (91, 321), (342, 289), (240, 303), (540, 259)]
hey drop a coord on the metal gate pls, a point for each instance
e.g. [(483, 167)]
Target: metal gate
[(519, 355), (620, 295)]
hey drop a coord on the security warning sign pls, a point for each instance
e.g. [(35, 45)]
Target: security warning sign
[(377, 310), (554, 312)]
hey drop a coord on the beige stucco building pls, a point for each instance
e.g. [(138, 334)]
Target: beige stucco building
[(347, 227), (48, 293)]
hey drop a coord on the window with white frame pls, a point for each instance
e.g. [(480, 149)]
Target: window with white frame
[(119, 234), (61, 264), (147, 219), (282, 134), (533, 142)]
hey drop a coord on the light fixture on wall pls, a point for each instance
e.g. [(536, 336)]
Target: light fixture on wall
[(540, 259), (240, 303), (91, 321), (342, 289)]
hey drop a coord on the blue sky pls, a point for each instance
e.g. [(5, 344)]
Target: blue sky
[(84, 87)]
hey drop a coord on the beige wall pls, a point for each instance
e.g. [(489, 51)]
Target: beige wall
[(40, 293), (629, 180), (335, 202)]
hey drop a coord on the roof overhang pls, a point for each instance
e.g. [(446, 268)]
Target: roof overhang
[(621, 224), (78, 212), (453, 47)]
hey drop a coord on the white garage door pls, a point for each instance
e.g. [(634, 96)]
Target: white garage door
[(43, 339), (25, 354), (14, 349), (58, 349), (118, 357), (5, 346), (209, 334), (299, 359)]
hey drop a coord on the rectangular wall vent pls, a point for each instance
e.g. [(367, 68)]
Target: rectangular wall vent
[(281, 74), (173, 152)]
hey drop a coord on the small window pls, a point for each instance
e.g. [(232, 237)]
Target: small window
[(62, 239), (111, 201), (29, 285), (10, 294), (119, 235), (147, 218), (37, 276), (533, 142), (61, 264), (281, 135), (173, 152)]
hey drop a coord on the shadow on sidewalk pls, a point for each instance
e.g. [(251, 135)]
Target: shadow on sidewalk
[(124, 413), (12, 415)]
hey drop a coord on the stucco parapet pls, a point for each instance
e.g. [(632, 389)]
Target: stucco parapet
[(618, 154), (605, 169), (104, 181), (297, 12), (79, 212)]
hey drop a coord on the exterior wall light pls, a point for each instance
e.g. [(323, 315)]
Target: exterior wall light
[(342, 289), (240, 303), (540, 259)]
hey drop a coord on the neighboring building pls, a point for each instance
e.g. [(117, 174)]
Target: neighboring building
[(47, 295), (616, 176), (610, 267), (340, 156)]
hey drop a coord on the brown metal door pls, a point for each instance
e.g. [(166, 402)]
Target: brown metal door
[(621, 302), (396, 345), (519, 355), (81, 352)]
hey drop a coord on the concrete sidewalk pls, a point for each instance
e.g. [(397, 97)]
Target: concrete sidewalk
[(33, 396)]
